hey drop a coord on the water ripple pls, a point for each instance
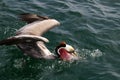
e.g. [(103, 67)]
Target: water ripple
[(91, 26)]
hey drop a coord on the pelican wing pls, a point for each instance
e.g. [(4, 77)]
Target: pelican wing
[(22, 39), (38, 27), (29, 18), (28, 38), (37, 24)]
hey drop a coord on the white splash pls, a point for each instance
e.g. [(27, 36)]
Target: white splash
[(85, 53), (96, 53)]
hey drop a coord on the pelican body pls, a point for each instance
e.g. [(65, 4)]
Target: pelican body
[(29, 39)]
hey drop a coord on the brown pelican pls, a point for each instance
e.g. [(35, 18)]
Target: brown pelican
[(29, 39)]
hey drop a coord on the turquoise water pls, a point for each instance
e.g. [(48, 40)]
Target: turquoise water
[(91, 26)]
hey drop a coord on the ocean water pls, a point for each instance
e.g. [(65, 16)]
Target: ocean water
[(91, 26)]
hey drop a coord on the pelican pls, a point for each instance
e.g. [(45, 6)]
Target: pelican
[(29, 39)]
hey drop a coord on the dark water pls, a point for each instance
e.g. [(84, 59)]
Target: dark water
[(91, 26)]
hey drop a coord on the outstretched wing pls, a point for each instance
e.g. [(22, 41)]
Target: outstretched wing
[(39, 24), (28, 38), (32, 31), (22, 39)]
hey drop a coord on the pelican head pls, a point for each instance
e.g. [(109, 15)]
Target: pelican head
[(66, 52)]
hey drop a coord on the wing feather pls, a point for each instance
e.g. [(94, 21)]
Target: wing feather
[(38, 27), (29, 18), (22, 39)]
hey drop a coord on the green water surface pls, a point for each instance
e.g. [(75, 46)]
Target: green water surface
[(91, 26)]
